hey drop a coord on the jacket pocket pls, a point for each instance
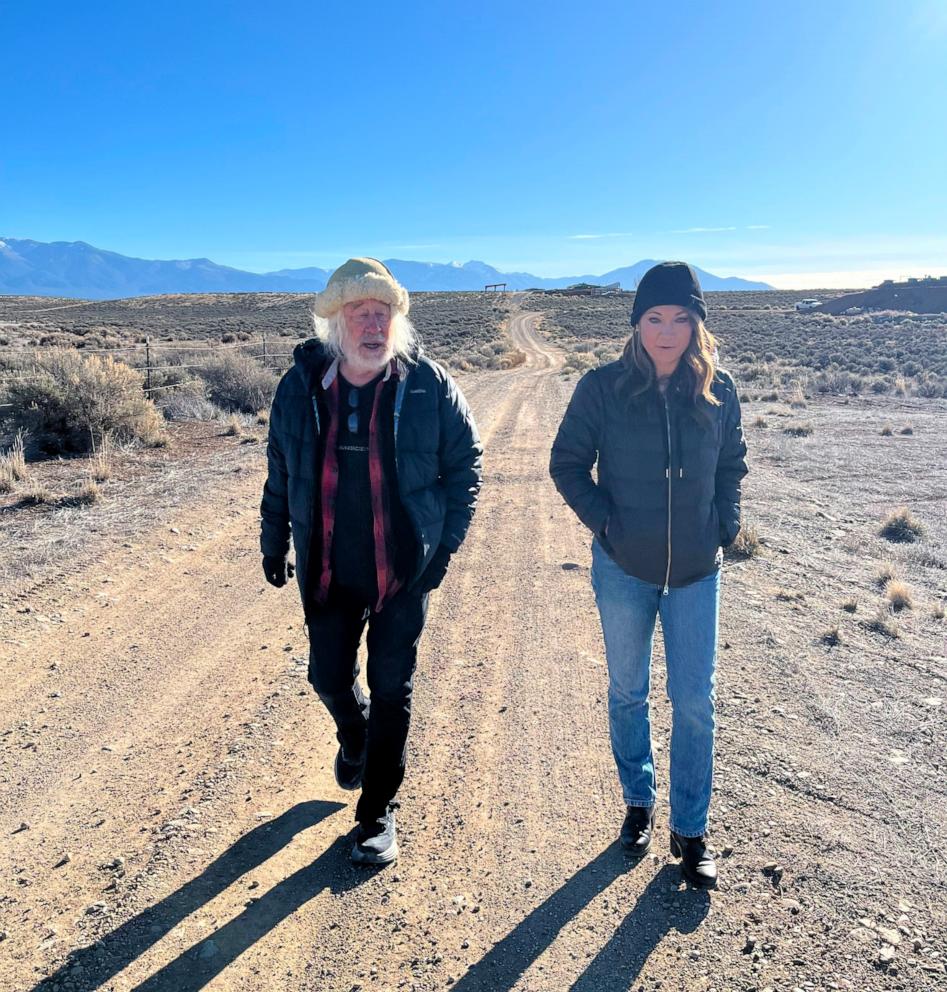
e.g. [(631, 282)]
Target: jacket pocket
[(637, 540)]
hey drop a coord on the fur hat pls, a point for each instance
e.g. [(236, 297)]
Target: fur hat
[(361, 279), (667, 284)]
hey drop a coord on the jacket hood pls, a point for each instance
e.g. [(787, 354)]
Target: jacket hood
[(309, 357)]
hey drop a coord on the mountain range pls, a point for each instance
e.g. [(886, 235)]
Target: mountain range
[(80, 271)]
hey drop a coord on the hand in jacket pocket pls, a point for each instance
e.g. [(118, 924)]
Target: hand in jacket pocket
[(434, 574)]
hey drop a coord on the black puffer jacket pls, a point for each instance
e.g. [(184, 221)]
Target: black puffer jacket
[(657, 455), (437, 453)]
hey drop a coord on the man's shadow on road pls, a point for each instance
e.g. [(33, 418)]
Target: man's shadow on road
[(619, 962), (201, 962)]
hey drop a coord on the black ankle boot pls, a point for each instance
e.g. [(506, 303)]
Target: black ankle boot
[(697, 863), (636, 831)]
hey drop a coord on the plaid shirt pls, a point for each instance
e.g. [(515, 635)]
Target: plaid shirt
[(387, 582)]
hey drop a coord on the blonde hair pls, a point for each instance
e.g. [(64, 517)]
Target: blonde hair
[(331, 332), (699, 359)]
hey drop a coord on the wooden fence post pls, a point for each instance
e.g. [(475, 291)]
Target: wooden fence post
[(264, 349), (148, 362)]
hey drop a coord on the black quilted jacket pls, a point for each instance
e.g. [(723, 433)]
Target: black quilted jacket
[(438, 457), (668, 483)]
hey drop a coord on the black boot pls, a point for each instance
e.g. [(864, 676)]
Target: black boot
[(348, 770), (350, 761), (697, 863), (376, 840), (636, 831)]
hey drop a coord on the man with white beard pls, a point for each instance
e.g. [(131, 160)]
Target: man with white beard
[(374, 466)]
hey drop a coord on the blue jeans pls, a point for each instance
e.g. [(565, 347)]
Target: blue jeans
[(628, 608)]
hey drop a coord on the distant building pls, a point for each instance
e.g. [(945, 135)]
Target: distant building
[(927, 295)]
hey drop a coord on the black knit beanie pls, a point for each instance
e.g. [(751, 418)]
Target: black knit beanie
[(669, 284)]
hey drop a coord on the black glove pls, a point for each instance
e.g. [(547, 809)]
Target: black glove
[(434, 574), (277, 570)]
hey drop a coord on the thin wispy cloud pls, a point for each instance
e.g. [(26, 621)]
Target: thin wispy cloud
[(595, 237), (757, 227), (703, 230)]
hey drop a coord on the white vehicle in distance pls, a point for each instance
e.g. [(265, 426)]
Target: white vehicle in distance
[(808, 305)]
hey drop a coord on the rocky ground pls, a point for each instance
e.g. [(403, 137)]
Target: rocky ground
[(169, 815)]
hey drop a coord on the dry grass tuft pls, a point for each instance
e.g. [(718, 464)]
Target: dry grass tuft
[(906, 430), (36, 493), (790, 596), (511, 360), (899, 596), (850, 605), (799, 430), (887, 572), (887, 430), (87, 493), (100, 463), (760, 422), (234, 426), (831, 637), (937, 612), (902, 527), (798, 399), (883, 624), (747, 543), (263, 417), (13, 463), (927, 559)]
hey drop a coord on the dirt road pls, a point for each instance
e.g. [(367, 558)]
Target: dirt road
[(170, 821)]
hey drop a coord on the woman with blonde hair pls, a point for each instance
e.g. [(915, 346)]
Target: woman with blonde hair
[(663, 425)]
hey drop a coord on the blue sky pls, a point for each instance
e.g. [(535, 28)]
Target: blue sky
[(801, 143)]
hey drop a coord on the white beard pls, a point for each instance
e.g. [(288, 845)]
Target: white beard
[(364, 364)]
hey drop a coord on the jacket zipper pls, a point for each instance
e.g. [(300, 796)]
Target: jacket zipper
[(667, 472), (312, 503), (399, 399)]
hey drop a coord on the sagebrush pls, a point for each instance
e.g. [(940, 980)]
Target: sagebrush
[(70, 402), (237, 382)]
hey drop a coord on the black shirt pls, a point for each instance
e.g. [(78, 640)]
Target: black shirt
[(353, 544)]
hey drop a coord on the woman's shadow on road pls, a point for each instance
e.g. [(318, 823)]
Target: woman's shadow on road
[(620, 961)]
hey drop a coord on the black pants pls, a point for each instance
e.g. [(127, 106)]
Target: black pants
[(335, 629)]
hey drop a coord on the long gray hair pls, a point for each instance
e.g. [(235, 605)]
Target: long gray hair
[(331, 332)]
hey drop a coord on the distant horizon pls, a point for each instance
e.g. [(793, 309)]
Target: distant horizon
[(777, 281), (817, 281)]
